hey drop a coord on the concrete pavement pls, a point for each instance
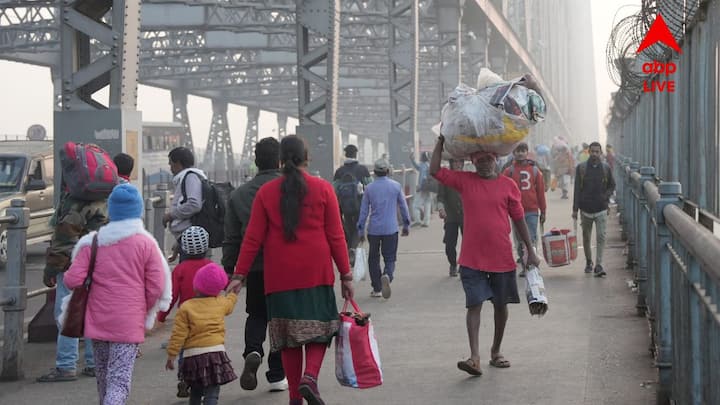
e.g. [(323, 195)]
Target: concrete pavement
[(590, 348)]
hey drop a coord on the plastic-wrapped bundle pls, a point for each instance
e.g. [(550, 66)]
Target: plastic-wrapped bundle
[(494, 119)]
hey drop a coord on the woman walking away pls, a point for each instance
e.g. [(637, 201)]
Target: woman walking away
[(199, 331), (130, 284), (298, 215)]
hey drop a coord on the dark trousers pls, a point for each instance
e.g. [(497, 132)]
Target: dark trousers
[(387, 245), (452, 230), (256, 326), (350, 222)]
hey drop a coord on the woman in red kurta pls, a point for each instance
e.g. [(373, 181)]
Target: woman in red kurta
[(296, 220)]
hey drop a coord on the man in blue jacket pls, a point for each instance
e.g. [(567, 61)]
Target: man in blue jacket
[(381, 201)]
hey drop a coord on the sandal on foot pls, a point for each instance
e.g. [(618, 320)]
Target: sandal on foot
[(499, 361), (469, 366)]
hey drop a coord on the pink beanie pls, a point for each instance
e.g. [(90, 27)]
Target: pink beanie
[(210, 280)]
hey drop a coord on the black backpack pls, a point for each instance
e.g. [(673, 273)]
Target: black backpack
[(347, 194), (212, 214)]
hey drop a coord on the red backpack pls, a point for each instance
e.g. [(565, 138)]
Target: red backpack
[(88, 172)]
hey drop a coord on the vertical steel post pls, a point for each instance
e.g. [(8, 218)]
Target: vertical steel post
[(159, 210), (632, 216), (282, 126), (252, 132), (450, 46), (404, 54), (219, 158), (641, 275), (180, 115), (16, 291), (318, 46), (669, 194)]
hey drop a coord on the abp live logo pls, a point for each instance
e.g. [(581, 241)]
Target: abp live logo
[(659, 32)]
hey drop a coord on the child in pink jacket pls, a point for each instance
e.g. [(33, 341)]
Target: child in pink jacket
[(130, 284)]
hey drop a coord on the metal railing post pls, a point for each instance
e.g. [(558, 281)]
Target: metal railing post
[(15, 291), (669, 194), (158, 228), (632, 216), (641, 274)]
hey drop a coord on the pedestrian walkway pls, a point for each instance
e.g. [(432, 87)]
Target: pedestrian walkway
[(590, 348)]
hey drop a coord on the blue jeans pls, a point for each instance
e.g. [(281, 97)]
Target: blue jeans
[(387, 244), (531, 219), (66, 356)]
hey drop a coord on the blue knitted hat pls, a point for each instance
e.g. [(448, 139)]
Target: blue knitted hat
[(125, 202)]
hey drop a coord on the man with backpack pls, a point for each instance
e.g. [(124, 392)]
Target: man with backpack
[(529, 179), (78, 213), (350, 181), (237, 217), (450, 211), (188, 195), (594, 184)]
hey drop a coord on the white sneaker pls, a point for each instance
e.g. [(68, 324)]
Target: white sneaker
[(386, 291), (375, 294), (279, 386)]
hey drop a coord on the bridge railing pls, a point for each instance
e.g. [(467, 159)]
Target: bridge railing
[(674, 255)]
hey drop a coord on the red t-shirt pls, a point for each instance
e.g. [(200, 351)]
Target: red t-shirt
[(532, 186), (182, 283), (487, 203)]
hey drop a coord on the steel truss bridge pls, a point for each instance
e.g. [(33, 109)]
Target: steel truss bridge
[(380, 69)]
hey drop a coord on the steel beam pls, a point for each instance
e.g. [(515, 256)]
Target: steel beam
[(403, 139), (180, 114), (282, 125), (450, 46), (219, 159), (252, 132), (317, 95)]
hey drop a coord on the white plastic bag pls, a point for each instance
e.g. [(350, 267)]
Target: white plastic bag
[(494, 119), (535, 292), (360, 269)]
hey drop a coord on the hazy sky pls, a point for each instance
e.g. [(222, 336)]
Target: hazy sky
[(26, 91)]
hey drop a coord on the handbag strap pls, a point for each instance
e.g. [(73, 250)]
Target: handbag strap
[(353, 303), (91, 267)]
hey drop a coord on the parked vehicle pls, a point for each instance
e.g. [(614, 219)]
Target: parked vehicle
[(26, 171)]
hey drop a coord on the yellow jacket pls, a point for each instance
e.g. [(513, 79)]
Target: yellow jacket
[(200, 322)]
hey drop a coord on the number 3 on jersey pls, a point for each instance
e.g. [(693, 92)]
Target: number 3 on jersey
[(525, 183)]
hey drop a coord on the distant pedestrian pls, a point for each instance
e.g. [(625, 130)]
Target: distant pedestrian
[(130, 284), (187, 197), (422, 200), (563, 165), (125, 164), (350, 181), (529, 179), (594, 185), (199, 332), (194, 242), (381, 202), (487, 268), (450, 210), (298, 219), (237, 218)]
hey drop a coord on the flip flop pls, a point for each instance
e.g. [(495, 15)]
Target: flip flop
[(499, 361), (469, 366)]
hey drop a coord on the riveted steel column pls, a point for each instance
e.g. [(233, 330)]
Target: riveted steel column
[(345, 137), (219, 159), (180, 115), (641, 275), (318, 22), (15, 292), (282, 125), (403, 137), (252, 131), (669, 194), (450, 45), (117, 129)]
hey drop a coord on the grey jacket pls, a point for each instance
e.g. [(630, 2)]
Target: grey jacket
[(183, 211)]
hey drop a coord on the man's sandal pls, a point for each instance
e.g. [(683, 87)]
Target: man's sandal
[(499, 361), (469, 366)]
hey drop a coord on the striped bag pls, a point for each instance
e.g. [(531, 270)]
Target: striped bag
[(357, 360)]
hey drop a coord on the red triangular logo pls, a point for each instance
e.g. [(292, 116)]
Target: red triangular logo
[(659, 32)]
